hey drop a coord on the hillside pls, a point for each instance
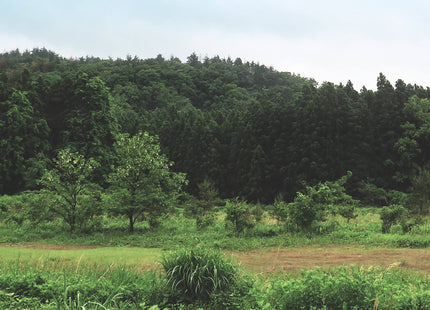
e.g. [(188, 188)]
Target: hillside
[(254, 131)]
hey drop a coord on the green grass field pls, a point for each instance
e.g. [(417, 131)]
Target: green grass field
[(46, 257), (45, 267)]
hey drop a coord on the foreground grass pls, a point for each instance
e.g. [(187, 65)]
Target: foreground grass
[(25, 286)]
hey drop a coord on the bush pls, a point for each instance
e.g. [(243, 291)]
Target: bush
[(199, 273), (206, 221), (312, 207), (390, 216), (258, 212), (238, 213)]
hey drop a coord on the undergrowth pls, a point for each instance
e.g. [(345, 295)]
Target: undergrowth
[(178, 232), (207, 280)]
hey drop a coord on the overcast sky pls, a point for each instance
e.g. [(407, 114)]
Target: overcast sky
[(330, 40)]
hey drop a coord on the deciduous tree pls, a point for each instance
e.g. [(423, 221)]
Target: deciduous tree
[(142, 183), (76, 199)]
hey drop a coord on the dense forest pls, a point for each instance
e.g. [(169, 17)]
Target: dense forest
[(253, 131)]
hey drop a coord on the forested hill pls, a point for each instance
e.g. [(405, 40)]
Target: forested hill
[(254, 131)]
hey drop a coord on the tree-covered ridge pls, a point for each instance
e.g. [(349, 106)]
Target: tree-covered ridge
[(253, 131)]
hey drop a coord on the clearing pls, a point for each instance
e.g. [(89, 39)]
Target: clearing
[(257, 261)]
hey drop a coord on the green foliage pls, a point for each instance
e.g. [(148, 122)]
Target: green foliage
[(142, 184), (199, 273), (208, 196), (12, 209), (314, 205), (238, 213), (347, 211), (24, 140), (90, 288), (73, 197), (29, 287), (28, 206), (419, 199), (391, 215), (252, 130), (205, 221), (345, 288), (201, 209), (258, 212), (280, 209), (372, 195)]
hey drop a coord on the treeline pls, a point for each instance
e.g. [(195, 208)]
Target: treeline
[(253, 131)]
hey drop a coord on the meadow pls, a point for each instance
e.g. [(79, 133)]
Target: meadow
[(349, 265)]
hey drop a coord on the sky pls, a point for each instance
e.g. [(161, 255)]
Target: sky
[(330, 40)]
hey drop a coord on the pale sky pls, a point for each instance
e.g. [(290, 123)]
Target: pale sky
[(328, 40)]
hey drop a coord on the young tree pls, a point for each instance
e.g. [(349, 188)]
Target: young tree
[(317, 201), (75, 197), (202, 207), (141, 182), (238, 213)]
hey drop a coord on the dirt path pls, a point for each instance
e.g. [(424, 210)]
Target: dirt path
[(295, 259)]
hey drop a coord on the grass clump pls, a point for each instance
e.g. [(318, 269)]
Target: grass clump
[(198, 273)]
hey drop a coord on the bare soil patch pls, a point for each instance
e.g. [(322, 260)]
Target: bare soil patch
[(295, 259)]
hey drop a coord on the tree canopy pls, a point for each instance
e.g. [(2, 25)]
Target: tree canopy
[(253, 131)]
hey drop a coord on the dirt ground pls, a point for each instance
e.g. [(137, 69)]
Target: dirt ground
[(294, 259)]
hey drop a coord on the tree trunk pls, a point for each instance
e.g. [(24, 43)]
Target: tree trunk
[(72, 224), (131, 227)]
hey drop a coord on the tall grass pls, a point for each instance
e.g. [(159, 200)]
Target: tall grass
[(198, 273), (77, 287), (199, 280)]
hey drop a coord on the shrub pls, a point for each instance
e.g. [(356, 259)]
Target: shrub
[(313, 205), (238, 213), (280, 210), (258, 212), (198, 273), (390, 216)]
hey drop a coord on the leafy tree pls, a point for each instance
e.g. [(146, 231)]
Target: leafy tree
[(23, 142), (89, 123), (75, 198), (314, 204), (141, 181), (412, 146)]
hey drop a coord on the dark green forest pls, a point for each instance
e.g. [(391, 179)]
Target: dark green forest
[(253, 131)]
